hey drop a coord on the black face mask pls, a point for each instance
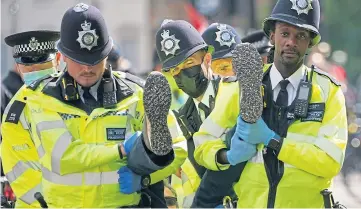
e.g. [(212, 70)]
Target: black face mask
[(192, 81)]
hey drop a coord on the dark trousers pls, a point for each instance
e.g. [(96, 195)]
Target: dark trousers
[(215, 185)]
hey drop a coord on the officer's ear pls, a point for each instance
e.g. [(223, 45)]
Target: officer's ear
[(207, 60), (272, 38), (57, 58)]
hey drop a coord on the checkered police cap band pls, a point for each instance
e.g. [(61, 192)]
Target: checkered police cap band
[(34, 47)]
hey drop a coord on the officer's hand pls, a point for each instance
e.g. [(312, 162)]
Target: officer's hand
[(240, 151), (129, 142), (129, 182), (254, 133)]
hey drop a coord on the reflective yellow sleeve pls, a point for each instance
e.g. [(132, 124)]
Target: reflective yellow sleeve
[(20, 163), (321, 154), (223, 117), (180, 151), (206, 155)]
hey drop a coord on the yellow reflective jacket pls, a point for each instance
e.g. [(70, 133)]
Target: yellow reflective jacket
[(20, 159), (312, 152), (80, 159)]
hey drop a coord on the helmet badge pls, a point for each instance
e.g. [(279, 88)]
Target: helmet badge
[(301, 6), (33, 44), (81, 7), (224, 36), (87, 38), (170, 44)]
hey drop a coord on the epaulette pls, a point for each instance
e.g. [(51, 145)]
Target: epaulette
[(229, 79), (323, 73), (34, 85), (135, 79), (14, 113)]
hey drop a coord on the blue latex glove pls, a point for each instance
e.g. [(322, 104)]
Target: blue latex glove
[(129, 182), (254, 133), (129, 143), (240, 151)]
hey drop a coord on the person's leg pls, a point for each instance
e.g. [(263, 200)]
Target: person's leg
[(215, 185), (152, 150)]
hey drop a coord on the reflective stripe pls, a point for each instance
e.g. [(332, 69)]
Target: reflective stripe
[(19, 168), (68, 179), (323, 143), (102, 178), (212, 128), (76, 179), (181, 144), (23, 121), (58, 150), (28, 197), (41, 151), (48, 125), (110, 177)]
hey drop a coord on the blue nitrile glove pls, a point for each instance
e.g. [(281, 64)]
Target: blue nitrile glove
[(129, 182), (254, 133), (240, 151), (129, 143)]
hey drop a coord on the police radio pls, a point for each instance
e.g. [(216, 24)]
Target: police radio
[(69, 88), (303, 95), (109, 94)]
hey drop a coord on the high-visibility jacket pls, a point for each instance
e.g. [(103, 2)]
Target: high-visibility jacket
[(19, 155), (78, 152), (312, 152)]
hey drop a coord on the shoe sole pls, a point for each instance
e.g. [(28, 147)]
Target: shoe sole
[(157, 100), (247, 64)]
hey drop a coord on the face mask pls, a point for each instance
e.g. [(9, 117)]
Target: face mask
[(192, 81), (33, 76)]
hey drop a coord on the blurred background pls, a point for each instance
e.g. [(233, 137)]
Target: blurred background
[(133, 24)]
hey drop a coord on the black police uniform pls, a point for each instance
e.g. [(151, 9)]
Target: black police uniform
[(31, 47)]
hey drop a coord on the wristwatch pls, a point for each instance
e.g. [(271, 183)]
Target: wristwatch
[(145, 181), (275, 144)]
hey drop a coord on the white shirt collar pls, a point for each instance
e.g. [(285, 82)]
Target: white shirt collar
[(93, 90), (294, 79), (205, 99)]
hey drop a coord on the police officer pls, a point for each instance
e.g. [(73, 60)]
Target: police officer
[(215, 185), (298, 152), (261, 42), (35, 56), (184, 54), (84, 123), (223, 38)]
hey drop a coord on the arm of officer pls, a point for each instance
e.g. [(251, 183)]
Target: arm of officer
[(180, 151), (19, 156), (208, 140), (320, 155)]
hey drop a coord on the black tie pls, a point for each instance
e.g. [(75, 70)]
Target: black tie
[(88, 98), (204, 108), (282, 98)]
